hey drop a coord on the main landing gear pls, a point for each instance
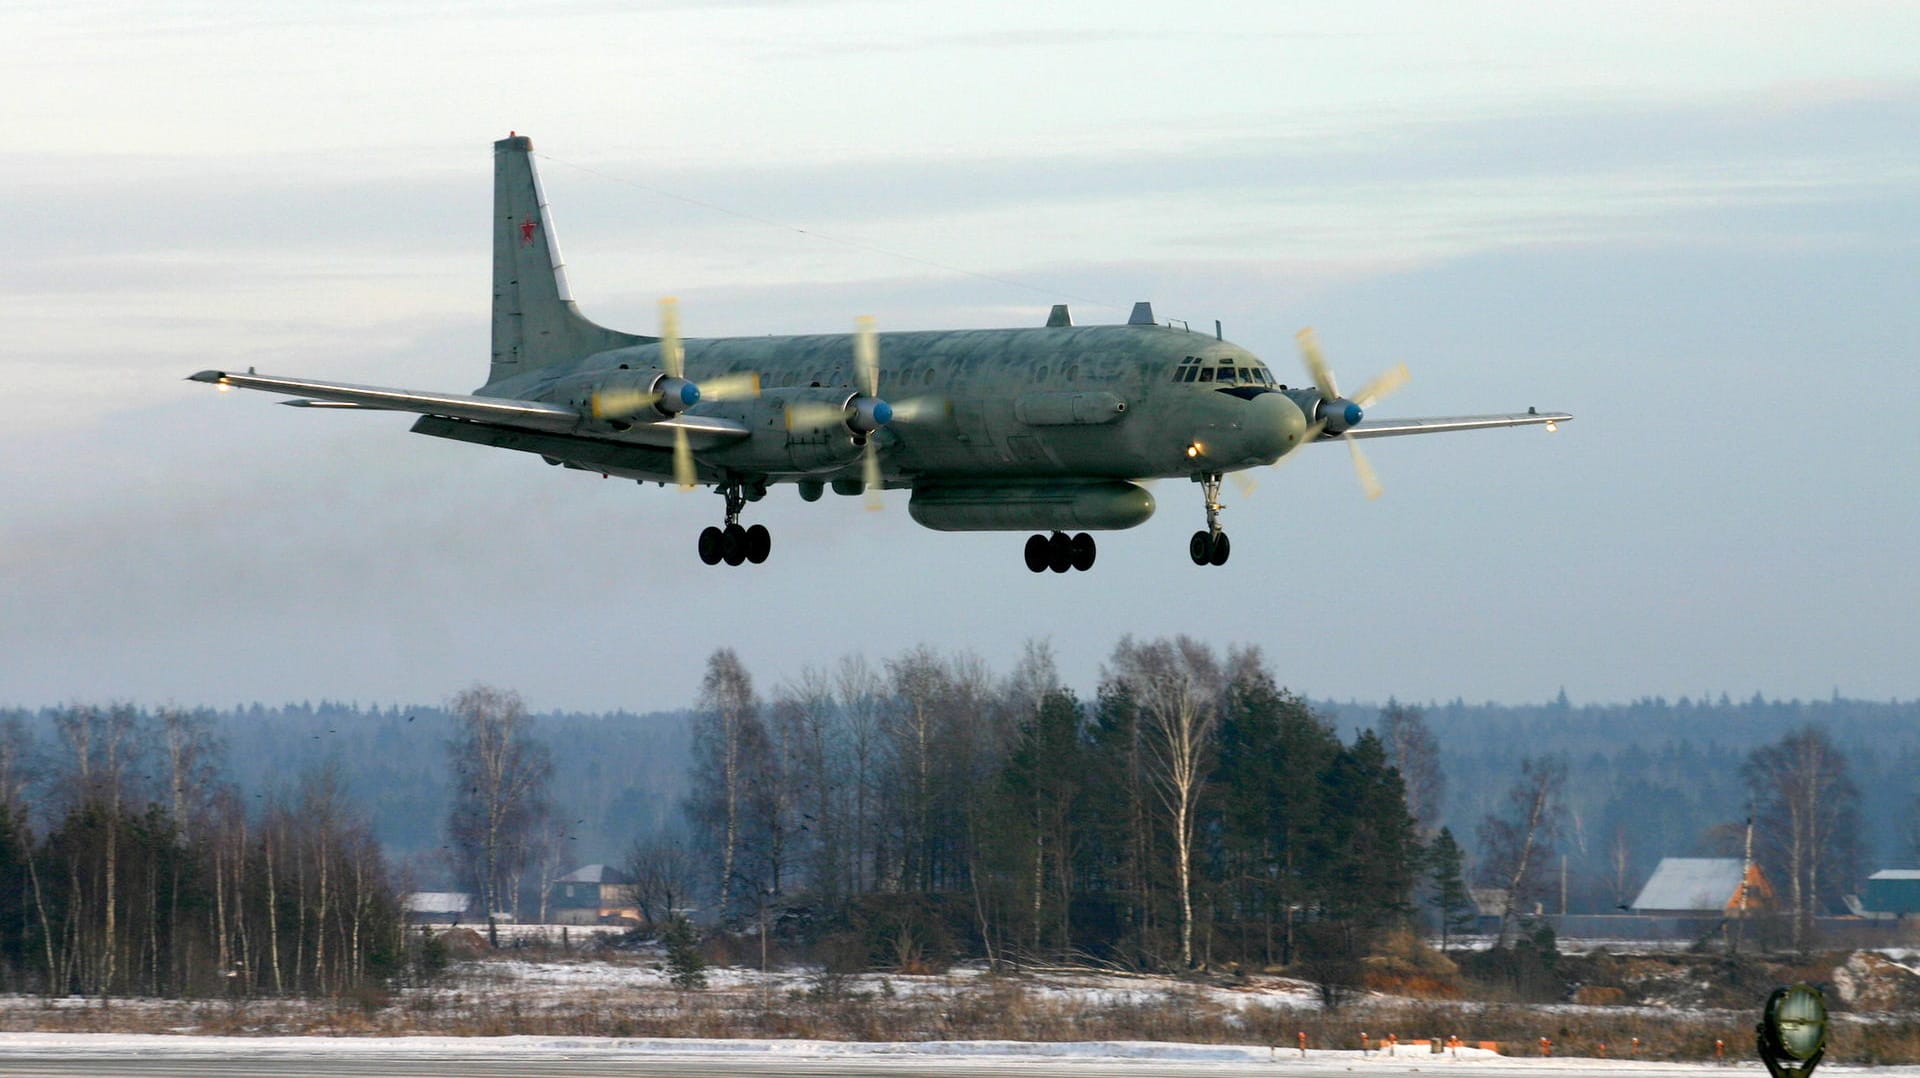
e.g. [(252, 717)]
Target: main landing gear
[(734, 544), (1059, 552), (1210, 547)]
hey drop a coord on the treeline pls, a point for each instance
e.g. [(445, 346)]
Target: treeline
[(1193, 813), (1645, 779), (1658, 778), (127, 866)]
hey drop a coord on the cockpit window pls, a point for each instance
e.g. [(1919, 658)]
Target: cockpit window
[(1206, 374)]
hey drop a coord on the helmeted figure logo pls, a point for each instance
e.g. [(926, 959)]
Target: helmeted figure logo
[(1792, 1034)]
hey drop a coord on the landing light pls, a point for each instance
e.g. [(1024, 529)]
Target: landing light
[(1552, 426), (1193, 450)]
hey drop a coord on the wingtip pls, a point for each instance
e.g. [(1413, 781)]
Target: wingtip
[(207, 376)]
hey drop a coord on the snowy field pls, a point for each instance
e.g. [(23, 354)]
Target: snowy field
[(107, 1055)]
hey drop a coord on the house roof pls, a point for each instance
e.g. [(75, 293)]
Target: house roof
[(437, 902), (1691, 883), (594, 874)]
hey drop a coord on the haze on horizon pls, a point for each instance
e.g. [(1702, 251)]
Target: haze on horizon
[(1695, 227)]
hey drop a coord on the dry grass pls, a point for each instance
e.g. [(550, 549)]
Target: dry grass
[(487, 1000)]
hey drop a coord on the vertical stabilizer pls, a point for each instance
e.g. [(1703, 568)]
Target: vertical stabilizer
[(535, 321)]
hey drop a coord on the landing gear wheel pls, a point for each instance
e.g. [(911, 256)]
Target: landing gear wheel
[(1222, 547), (733, 544), (1059, 552), (711, 545), (1037, 553), (759, 543), (1083, 552), (1200, 547)]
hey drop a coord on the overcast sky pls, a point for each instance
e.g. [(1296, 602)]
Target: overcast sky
[(1695, 225)]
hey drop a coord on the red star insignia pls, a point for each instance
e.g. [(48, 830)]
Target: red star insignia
[(526, 230)]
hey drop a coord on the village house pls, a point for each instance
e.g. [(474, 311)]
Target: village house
[(592, 895)]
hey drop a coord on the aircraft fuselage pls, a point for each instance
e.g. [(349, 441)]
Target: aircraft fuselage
[(1086, 403)]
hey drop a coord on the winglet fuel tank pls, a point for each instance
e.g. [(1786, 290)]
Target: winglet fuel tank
[(1104, 506)]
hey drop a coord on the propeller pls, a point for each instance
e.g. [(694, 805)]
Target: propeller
[(866, 412), (673, 393), (1339, 414), (866, 375)]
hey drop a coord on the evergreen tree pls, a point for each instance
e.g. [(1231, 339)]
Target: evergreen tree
[(1449, 895), (1270, 804), (686, 969), (1367, 846)]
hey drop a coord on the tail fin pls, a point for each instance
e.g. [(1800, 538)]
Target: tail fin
[(535, 321)]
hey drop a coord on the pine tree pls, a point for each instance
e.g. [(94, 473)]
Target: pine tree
[(686, 969), (1449, 897)]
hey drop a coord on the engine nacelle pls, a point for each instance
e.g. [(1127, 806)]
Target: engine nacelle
[(1339, 414)]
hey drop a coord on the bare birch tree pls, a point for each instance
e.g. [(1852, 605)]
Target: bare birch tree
[(857, 689), (1413, 752), (1176, 686), (729, 739), (500, 776), (1517, 843), (1806, 821)]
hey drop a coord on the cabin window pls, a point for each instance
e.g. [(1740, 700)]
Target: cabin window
[(926, 377), (1040, 375), (1072, 372)]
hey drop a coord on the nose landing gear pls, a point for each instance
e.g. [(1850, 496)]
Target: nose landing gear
[(734, 544), (1059, 552), (1210, 547)]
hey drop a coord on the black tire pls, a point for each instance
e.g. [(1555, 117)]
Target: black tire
[(712, 545), (1059, 552), (1037, 553), (1083, 552), (759, 543), (733, 544), (1200, 548), (1222, 547)]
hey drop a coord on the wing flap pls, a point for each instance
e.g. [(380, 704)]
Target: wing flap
[(537, 415)]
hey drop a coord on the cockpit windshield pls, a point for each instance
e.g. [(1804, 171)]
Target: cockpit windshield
[(1223, 370)]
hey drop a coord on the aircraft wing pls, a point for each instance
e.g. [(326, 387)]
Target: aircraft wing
[(1387, 428), (538, 415)]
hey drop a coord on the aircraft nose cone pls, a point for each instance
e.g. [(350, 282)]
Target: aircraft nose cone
[(1275, 426)]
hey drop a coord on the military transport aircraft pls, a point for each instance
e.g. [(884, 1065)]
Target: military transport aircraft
[(1048, 429)]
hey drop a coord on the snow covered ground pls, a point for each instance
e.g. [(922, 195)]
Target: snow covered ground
[(772, 1057)]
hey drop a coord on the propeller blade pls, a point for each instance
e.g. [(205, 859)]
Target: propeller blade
[(683, 474), (1389, 381), (1317, 364), (866, 356), (1369, 480), (870, 474), (622, 402), (673, 358), (740, 386), (807, 414)]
